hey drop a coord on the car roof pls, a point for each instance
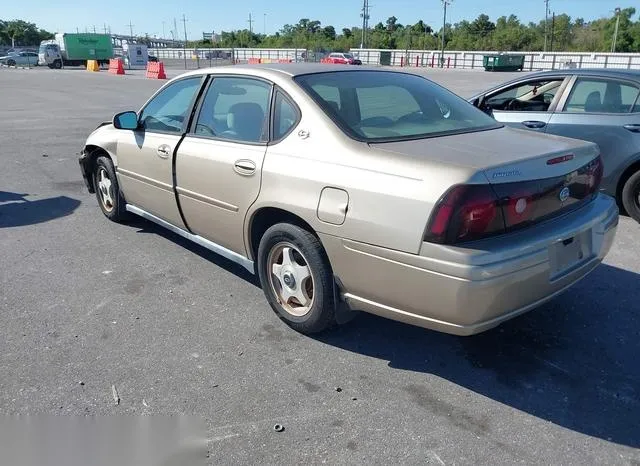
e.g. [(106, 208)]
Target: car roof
[(613, 72), (267, 70), (600, 72)]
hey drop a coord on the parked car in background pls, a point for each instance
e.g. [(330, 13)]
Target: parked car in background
[(343, 58), (600, 105), (361, 189), (20, 59)]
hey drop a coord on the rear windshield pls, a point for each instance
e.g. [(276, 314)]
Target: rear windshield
[(379, 106)]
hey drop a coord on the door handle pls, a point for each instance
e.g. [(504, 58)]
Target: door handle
[(534, 124), (244, 167), (632, 128), (163, 151)]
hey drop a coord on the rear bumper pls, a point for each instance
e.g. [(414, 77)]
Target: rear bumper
[(468, 290)]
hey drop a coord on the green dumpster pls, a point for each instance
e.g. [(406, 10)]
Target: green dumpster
[(385, 58), (503, 62)]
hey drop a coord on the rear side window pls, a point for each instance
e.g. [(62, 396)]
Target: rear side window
[(235, 109), (595, 95), (285, 116)]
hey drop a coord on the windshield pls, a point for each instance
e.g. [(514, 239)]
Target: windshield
[(379, 106), (45, 47), (347, 55)]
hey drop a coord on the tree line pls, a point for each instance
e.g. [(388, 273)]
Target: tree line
[(23, 33), (507, 33)]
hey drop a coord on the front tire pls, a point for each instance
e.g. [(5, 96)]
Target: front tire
[(296, 278), (110, 199), (631, 196), (57, 64), (11, 63)]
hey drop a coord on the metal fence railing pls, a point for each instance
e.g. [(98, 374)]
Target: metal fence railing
[(472, 60), (194, 58)]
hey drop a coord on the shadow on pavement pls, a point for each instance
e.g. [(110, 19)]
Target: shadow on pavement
[(573, 362), (145, 226), (17, 211)]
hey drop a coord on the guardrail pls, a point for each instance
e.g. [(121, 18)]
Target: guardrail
[(206, 57), (471, 60)]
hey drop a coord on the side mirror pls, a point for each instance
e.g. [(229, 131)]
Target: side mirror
[(126, 120)]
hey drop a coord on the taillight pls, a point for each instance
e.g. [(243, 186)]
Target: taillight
[(471, 212), (465, 213), (595, 171)]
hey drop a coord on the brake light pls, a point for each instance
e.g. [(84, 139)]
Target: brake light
[(471, 212), (595, 172), (465, 213)]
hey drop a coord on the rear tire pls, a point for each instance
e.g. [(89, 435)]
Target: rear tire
[(110, 199), (292, 262), (11, 63), (631, 196), (57, 64)]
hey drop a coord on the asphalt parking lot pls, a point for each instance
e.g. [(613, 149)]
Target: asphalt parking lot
[(87, 305)]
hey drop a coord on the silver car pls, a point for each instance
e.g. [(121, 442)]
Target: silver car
[(20, 59), (364, 189), (602, 106)]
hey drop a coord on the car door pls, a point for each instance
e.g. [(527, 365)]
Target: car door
[(603, 110), (527, 104), (145, 156), (219, 163)]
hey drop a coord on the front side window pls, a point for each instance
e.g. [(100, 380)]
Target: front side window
[(235, 109), (594, 95), (167, 111), (532, 96), (378, 106)]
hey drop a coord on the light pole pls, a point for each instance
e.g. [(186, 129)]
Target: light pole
[(615, 33), (546, 22), (365, 22), (445, 3), (264, 24)]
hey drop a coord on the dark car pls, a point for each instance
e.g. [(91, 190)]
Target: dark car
[(598, 105)]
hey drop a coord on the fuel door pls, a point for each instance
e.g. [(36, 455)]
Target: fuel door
[(333, 206)]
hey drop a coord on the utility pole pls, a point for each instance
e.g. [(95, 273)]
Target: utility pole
[(105, 28), (250, 21), (553, 29), (264, 25), (444, 28), (546, 22), (130, 31), (184, 49), (94, 29), (615, 33), (365, 22)]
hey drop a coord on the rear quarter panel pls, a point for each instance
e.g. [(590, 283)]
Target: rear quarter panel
[(390, 196)]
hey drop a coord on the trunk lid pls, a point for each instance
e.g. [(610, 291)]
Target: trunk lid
[(521, 178), (502, 155)]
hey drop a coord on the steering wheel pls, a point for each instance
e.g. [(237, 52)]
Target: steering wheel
[(514, 104)]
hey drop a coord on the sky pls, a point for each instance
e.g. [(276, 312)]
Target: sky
[(156, 18)]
